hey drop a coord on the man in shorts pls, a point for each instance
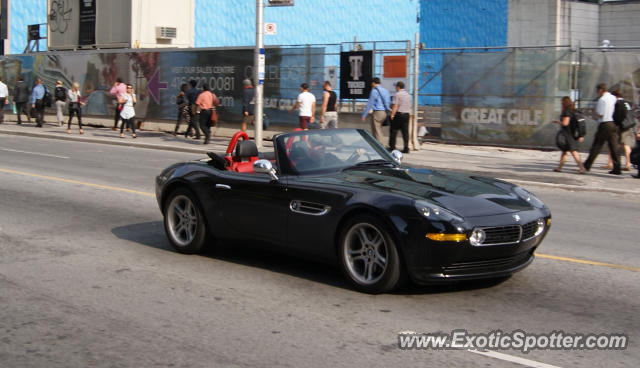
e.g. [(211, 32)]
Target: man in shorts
[(307, 104)]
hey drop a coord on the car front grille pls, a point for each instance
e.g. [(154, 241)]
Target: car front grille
[(487, 265), (509, 234), (528, 230), (502, 234)]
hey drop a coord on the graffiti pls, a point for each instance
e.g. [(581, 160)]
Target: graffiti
[(60, 15)]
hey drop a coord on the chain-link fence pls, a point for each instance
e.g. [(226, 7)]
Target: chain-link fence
[(510, 95)]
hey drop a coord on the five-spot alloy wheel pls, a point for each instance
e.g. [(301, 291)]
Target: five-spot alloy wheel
[(368, 255), (184, 223)]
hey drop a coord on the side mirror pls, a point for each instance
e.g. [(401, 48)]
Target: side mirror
[(265, 167), (397, 156)]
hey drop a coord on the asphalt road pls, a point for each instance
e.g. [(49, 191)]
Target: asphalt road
[(87, 278)]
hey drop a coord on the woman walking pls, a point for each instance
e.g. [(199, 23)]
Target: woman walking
[(74, 107), (128, 100), (183, 108), (566, 130), (60, 95)]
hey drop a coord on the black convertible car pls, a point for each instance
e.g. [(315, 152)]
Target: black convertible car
[(338, 195)]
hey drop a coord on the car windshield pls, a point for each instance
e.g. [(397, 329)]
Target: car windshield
[(314, 151)]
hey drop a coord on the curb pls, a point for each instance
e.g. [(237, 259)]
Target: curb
[(571, 187), (103, 141)]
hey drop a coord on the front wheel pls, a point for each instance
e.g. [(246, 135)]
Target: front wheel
[(368, 255), (184, 222)]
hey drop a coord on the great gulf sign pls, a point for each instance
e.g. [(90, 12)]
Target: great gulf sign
[(484, 115)]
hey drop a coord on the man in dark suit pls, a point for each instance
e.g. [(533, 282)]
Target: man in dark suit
[(21, 95)]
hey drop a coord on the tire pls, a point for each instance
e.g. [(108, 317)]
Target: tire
[(368, 255), (184, 223)]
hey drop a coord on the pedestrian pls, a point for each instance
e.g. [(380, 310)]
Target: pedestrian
[(4, 99), (37, 101), (60, 95), (307, 104), (627, 136), (118, 89), (192, 96), (329, 115), (568, 128), (128, 100), (400, 114), (183, 107), (248, 103), (75, 107), (607, 130), (206, 102), (21, 95), (379, 102)]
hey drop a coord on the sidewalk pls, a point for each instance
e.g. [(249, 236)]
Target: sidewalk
[(520, 166)]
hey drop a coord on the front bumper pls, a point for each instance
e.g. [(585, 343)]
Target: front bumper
[(430, 262)]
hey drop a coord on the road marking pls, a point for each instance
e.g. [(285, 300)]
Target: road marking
[(78, 182), (32, 153), (592, 263), (512, 359)]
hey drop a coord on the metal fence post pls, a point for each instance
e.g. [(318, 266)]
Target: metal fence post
[(413, 132)]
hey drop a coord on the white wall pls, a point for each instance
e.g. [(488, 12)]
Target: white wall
[(580, 24), (531, 22), (620, 23), (149, 14)]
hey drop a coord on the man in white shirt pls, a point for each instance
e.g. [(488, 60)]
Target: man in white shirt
[(307, 104), (4, 99), (607, 130)]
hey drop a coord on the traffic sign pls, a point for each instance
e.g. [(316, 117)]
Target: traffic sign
[(280, 3), (270, 28)]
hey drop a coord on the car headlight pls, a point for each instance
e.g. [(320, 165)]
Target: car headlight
[(436, 213), (533, 200), (477, 237), (540, 228)]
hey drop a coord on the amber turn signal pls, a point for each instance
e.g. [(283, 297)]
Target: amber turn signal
[(447, 237)]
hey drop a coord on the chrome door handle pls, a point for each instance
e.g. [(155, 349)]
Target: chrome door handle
[(223, 186)]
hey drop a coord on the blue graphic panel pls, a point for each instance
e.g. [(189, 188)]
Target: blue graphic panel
[(21, 14), (232, 23)]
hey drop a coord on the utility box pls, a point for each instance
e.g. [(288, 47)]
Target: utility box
[(90, 24)]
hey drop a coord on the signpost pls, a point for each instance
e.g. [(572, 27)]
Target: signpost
[(259, 64), (280, 2)]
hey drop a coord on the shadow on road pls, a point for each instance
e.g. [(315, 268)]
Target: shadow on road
[(152, 234)]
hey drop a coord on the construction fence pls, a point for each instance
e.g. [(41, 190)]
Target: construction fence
[(488, 95)]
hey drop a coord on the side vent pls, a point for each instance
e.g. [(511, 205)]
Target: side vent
[(309, 208)]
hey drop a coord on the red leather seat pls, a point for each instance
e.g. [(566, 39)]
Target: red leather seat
[(246, 153)]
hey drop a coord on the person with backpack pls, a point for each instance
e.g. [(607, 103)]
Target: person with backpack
[(60, 95), (37, 101), (570, 134), (626, 121), (607, 130)]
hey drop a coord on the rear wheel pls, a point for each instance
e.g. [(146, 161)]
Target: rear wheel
[(368, 255), (184, 222)]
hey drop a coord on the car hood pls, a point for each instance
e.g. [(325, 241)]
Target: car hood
[(466, 195)]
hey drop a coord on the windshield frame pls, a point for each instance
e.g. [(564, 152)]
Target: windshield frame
[(286, 168)]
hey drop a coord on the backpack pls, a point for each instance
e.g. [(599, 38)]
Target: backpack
[(620, 112), (578, 124), (47, 97), (60, 94), (629, 120)]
